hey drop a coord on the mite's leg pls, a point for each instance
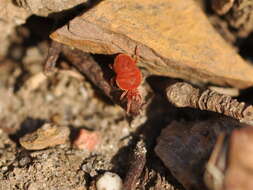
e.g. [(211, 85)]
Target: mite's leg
[(123, 94), (111, 66), (113, 82), (129, 103)]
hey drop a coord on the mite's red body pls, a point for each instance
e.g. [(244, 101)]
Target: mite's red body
[(128, 78)]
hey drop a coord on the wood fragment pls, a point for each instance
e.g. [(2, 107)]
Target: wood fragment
[(90, 68), (136, 166), (182, 94), (176, 40), (215, 167), (48, 135), (185, 147), (53, 55)]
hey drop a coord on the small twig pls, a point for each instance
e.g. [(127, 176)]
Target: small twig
[(53, 55), (136, 167), (184, 95), (87, 66)]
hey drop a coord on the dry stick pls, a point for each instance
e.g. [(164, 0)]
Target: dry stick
[(53, 55), (90, 68), (136, 166), (182, 94), (87, 66)]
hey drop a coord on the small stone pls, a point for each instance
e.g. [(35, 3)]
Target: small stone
[(84, 167), (93, 173), (38, 166), (24, 161), (44, 156), (15, 164), (4, 168), (34, 186), (47, 136), (109, 181), (87, 140)]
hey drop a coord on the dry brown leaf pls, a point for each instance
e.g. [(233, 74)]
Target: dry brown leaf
[(175, 39)]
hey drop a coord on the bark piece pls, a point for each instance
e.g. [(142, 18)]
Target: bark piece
[(136, 166), (174, 39), (185, 147), (215, 167), (47, 136), (91, 69), (182, 94)]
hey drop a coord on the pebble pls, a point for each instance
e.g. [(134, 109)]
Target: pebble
[(109, 181), (87, 140), (5, 168), (24, 161), (47, 136), (34, 186)]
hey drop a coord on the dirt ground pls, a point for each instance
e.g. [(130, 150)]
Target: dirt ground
[(29, 99)]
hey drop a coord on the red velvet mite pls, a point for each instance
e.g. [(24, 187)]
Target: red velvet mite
[(128, 78)]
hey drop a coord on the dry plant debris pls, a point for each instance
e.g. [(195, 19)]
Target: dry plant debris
[(185, 147), (137, 165), (183, 94), (47, 136), (92, 70), (230, 165), (165, 48), (175, 41), (215, 167)]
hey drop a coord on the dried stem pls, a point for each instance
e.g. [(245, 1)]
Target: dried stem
[(136, 167), (90, 68), (184, 95), (53, 55)]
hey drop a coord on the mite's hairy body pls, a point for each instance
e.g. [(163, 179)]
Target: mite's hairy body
[(128, 78)]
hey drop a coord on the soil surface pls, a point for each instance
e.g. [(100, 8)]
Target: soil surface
[(29, 99)]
